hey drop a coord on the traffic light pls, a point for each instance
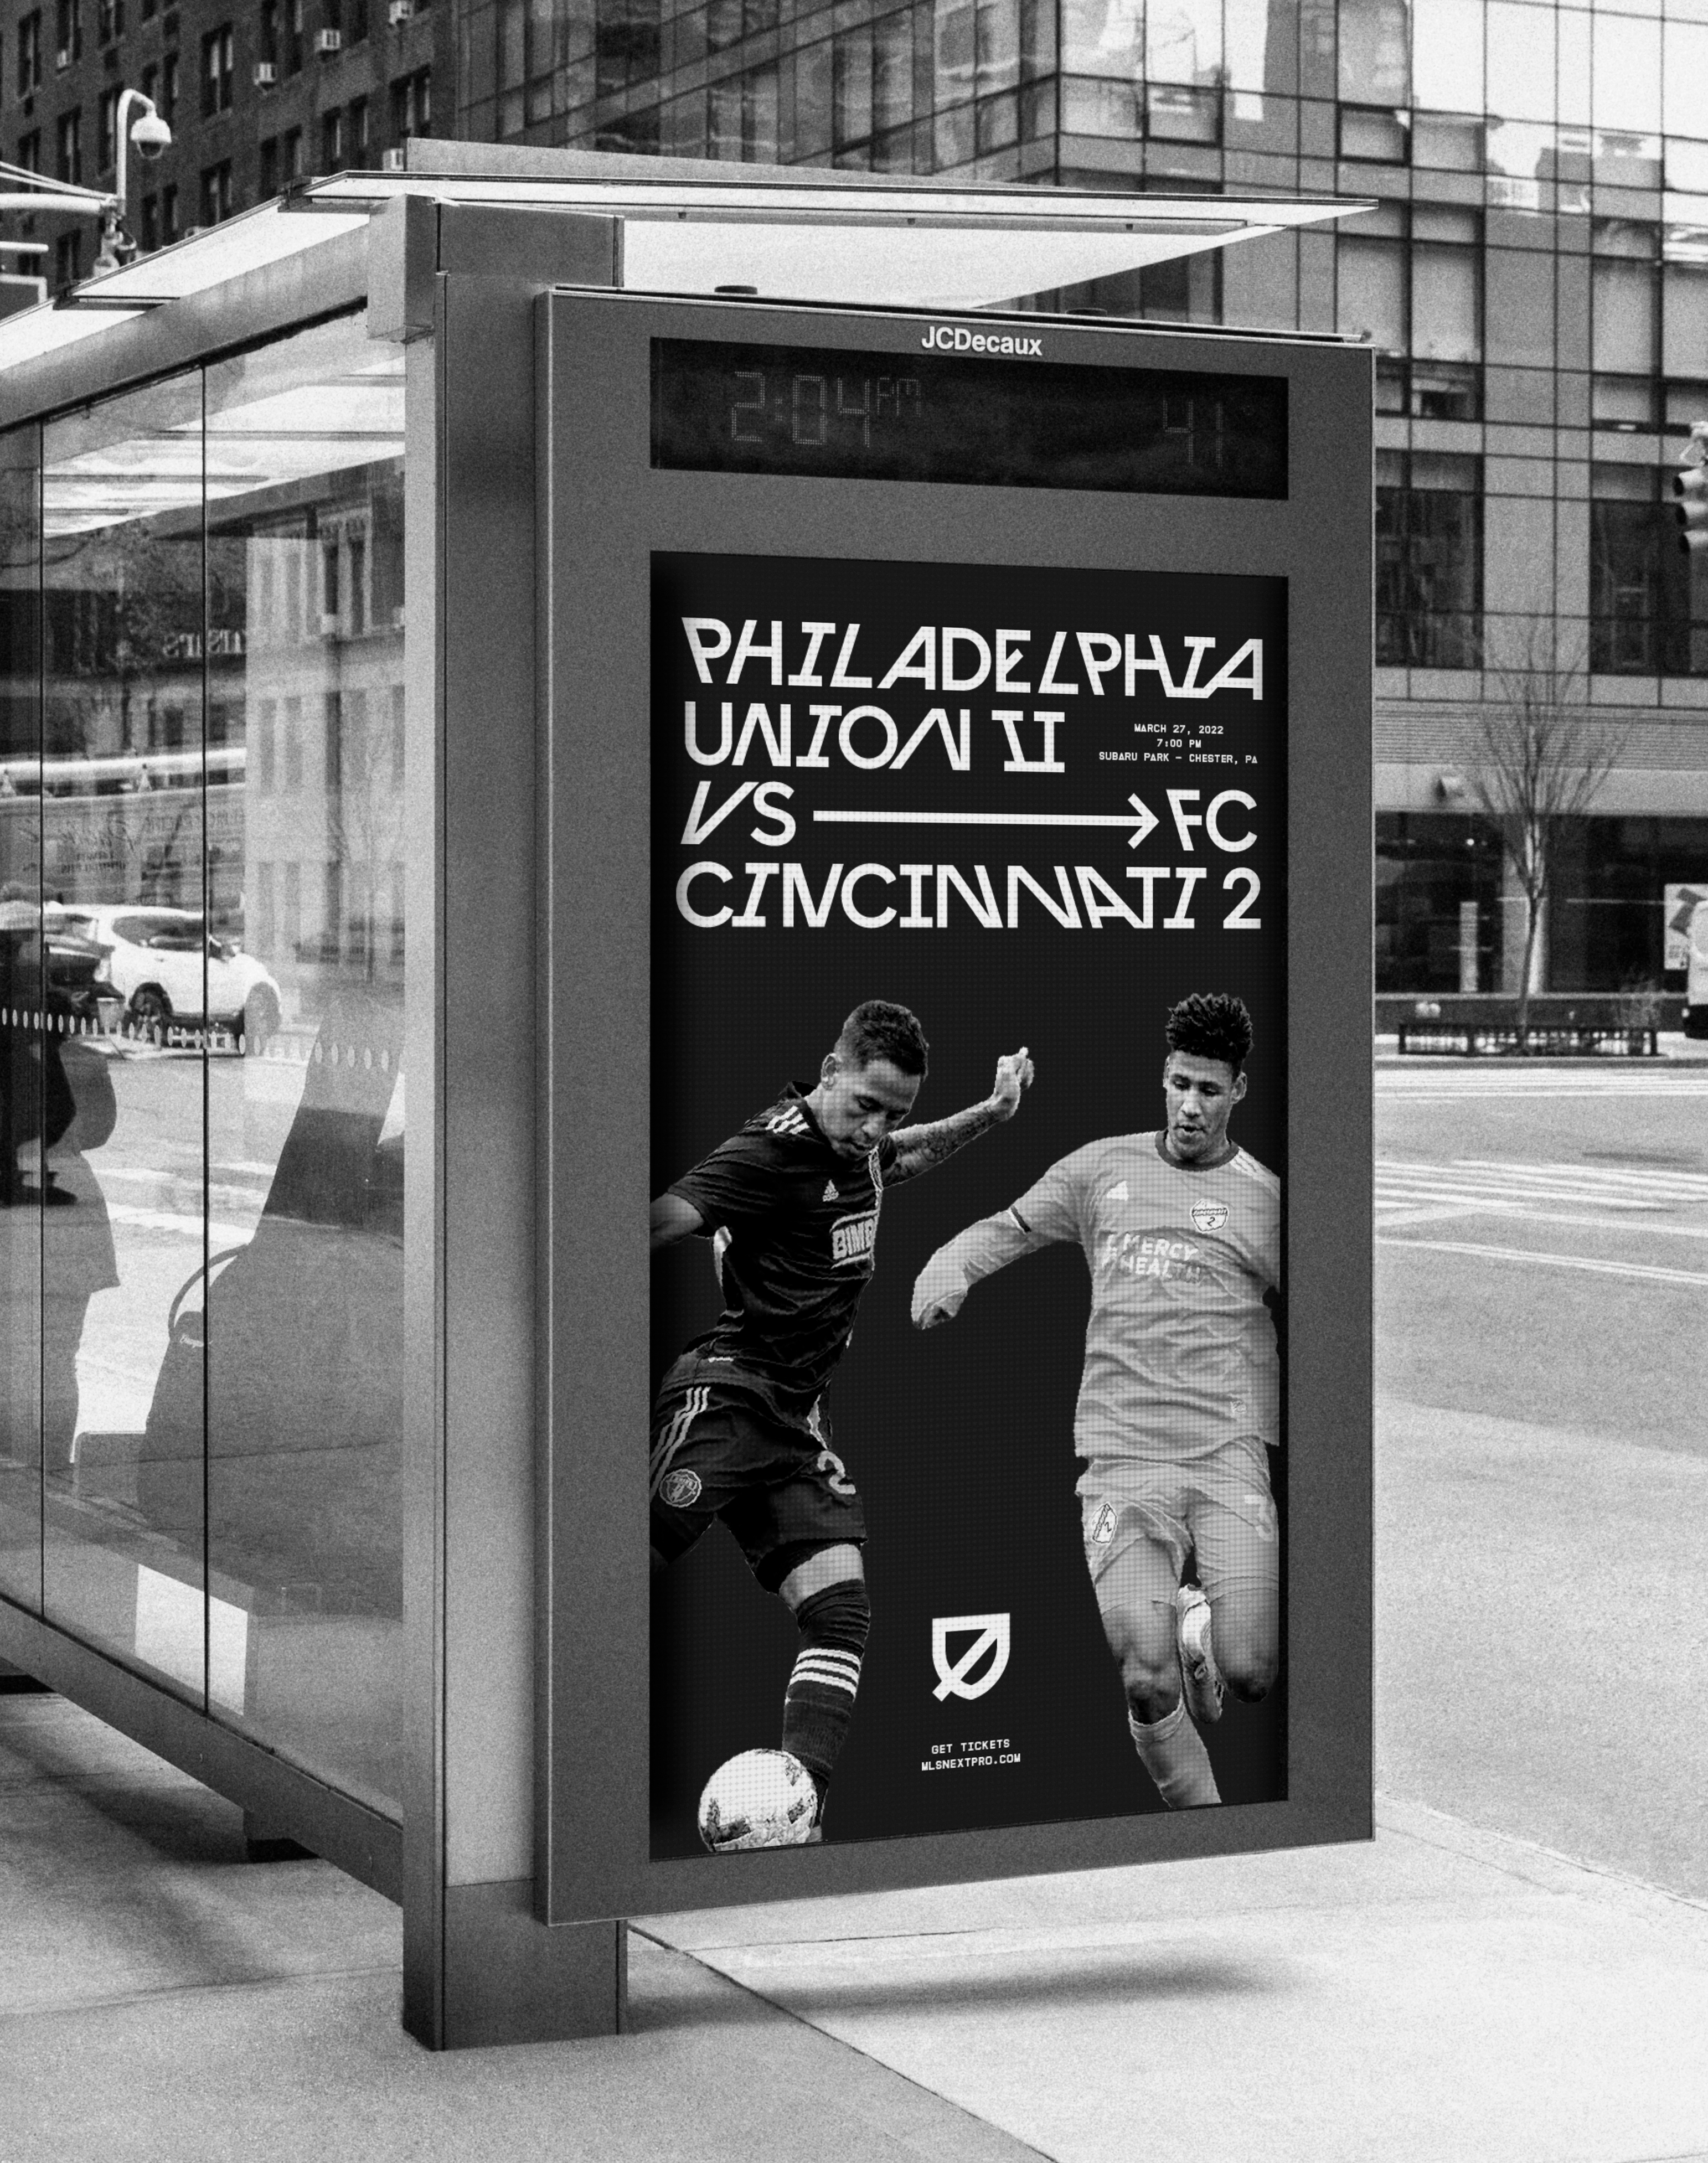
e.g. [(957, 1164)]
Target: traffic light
[(1690, 489)]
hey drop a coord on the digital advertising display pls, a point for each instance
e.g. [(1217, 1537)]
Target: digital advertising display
[(956, 764), (1018, 815)]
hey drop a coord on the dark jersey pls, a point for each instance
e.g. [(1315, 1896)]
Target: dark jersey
[(802, 1226)]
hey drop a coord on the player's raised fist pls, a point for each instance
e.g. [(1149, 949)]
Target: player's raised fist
[(1014, 1074), (939, 1292)]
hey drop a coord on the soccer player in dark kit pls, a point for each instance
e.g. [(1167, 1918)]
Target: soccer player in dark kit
[(793, 1204), (1179, 1400)]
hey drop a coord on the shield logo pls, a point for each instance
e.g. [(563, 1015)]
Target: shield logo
[(1209, 1216), (988, 1634), (679, 1491)]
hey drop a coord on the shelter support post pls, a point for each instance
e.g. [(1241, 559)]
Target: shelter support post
[(457, 287)]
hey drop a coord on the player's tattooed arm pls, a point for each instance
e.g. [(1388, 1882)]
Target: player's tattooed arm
[(921, 1148), (673, 1218)]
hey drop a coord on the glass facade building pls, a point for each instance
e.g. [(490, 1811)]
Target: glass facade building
[(1534, 278)]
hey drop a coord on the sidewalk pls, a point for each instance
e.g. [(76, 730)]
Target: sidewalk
[(1441, 1993)]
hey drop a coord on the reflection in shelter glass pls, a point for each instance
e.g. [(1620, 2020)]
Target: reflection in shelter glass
[(21, 1040), (122, 872), (202, 813)]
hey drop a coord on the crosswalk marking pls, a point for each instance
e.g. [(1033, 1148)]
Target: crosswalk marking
[(1479, 1183), (1652, 1272), (1679, 1181)]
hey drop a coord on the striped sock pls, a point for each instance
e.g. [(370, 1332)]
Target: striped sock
[(819, 1703)]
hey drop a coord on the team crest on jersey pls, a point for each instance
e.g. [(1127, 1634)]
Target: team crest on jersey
[(1209, 1216), (679, 1491), (1103, 1527), (852, 1238)]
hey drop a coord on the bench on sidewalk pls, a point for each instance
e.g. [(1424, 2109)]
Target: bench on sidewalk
[(1618, 1024)]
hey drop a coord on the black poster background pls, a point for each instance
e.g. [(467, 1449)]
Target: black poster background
[(961, 1440)]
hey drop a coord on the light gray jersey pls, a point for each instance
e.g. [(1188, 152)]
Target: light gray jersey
[(1180, 1350)]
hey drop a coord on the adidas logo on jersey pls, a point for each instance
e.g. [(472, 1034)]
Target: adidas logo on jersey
[(830, 1193)]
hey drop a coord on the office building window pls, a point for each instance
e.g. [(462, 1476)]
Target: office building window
[(625, 46), (412, 105), (1429, 560), (1624, 338), (356, 132), (268, 168), (1383, 138), (215, 192), (71, 145), (1410, 280), (68, 33), (1648, 610), (355, 21), (109, 21), (169, 214), (217, 70), (148, 233), (291, 23), (68, 259), (29, 54), (29, 150), (168, 88), (109, 127), (331, 140)]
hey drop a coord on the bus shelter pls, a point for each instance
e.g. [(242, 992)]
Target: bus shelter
[(359, 562)]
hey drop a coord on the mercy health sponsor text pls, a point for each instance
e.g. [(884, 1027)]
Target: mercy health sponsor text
[(1026, 765)]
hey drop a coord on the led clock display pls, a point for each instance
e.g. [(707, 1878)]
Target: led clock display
[(960, 417)]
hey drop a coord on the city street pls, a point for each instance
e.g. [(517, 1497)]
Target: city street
[(1542, 1461)]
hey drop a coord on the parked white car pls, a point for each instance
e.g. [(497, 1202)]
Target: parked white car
[(155, 962)]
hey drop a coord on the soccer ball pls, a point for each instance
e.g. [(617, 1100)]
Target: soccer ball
[(763, 1799)]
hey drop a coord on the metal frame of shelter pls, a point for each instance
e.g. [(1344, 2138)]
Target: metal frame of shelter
[(450, 258)]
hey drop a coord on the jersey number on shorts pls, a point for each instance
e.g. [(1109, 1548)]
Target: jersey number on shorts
[(836, 1473)]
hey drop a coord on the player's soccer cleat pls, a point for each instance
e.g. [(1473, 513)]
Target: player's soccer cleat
[(1200, 1677)]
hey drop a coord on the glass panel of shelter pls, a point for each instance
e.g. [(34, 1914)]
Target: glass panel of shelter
[(304, 1311), (124, 1179), (21, 1032), (201, 1249)]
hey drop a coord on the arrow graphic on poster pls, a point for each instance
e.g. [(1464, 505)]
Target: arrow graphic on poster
[(1141, 818)]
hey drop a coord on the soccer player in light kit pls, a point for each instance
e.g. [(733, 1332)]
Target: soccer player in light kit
[(1180, 1395), (793, 1202)]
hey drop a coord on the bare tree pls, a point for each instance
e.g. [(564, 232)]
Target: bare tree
[(1540, 754)]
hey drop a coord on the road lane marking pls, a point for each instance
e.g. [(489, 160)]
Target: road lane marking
[(1451, 1085), (1505, 1190), (1652, 1272)]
